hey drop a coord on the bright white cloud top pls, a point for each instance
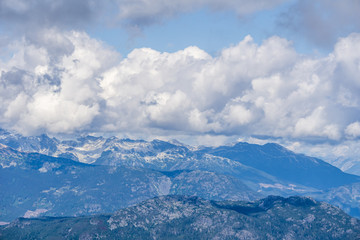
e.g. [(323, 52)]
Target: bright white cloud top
[(248, 89), (57, 78)]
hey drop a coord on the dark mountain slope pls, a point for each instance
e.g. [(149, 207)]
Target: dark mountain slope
[(181, 217)]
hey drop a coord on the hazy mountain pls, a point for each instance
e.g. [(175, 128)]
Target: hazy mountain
[(346, 197), (284, 164), (251, 160), (164, 156), (347, 165), (181, 217), (256, 169), (36, 184)]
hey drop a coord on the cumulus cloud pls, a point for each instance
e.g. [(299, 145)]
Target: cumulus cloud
[(52, 112), (353, 130), (316, 125), (43, 89), (249, 89)]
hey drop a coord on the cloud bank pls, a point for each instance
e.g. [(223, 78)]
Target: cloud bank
[(71, 82)]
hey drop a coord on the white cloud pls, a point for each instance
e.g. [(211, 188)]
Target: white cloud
[(269, 88), (248, 89), (316, 125), (44, 90), (346, 53), (200, 121), (55, 114), (168, 110), (353, 130), (237, 115)]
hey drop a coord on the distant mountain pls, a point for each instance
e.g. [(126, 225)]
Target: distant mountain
[(346, 197), (268, 169), (159, 155), (34, 185), (40, 144), (286, 165), (181, 217), (260, 161), (347, 165)]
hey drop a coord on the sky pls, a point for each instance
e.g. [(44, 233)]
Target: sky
[(202, 71)]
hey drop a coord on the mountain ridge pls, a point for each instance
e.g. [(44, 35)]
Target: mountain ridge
[(184, 169), (37, 183), (179, 217)]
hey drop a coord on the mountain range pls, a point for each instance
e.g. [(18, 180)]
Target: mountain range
[(183, 217), (39, 184), (43, 176)]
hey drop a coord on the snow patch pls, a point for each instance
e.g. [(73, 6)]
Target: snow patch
[(48, 167), (33, 214), (279, 186), (11, 164)]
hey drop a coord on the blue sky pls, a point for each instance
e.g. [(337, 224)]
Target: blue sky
[(208, 29), (203, 71)]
